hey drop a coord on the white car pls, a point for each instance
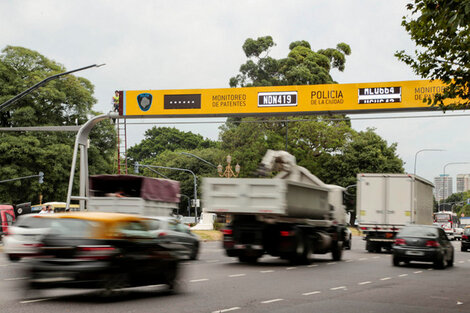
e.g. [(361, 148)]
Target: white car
[(24, 235)]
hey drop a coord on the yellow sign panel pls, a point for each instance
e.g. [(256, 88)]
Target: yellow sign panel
[(300, 99)]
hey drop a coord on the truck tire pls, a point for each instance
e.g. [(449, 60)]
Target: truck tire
[(337, 250), (303, 251), (247, 259), (396, 261)]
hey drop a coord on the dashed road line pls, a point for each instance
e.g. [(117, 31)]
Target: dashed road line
[(237, 275), (227, 310), (271, 301), (364, 283), (430, 269), (311, 293), (198, 280), (418, 272), (376, 257), (347, 261), (34, 300), (460, 262), (212, 261), (313, 265), (268, 271), (331, 263), (338, 288), (402, 275), (291, 268), (386, 278), (363, 259)]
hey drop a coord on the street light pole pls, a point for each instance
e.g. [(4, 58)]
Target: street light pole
[(199, 158)]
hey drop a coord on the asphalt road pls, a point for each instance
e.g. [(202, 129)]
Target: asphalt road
[(361, 282)]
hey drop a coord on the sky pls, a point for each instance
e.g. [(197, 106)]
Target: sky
[(193, 44)]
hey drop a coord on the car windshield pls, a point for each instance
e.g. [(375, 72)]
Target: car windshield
[(467, 231), (70, 227), (419, 232), (33, 222)]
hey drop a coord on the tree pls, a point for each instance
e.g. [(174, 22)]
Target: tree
[(66, 101), (160, 139), (441, 30)]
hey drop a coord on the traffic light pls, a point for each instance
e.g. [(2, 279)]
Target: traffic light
[(41, 177)]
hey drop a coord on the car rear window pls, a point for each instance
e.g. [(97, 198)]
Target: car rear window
[(33, 222), (74, 228), (419, 232)]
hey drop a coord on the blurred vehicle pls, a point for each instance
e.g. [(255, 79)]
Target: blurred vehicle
[(7, 217), (59, 207), (347, 239), (465, 243), (101, 250), (25, 235), (458, 232), (448, 221), (171, 231), (423, 243)]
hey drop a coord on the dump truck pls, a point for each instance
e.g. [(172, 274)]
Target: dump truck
[(291, 216), (133, 194), (387, 202)]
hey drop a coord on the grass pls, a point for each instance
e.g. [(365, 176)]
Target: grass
[(208, 235)]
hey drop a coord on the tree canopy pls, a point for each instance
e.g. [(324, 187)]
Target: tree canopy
[(441, 31), (66, 101)]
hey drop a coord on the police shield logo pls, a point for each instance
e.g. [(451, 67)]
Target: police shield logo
[(145, 101)]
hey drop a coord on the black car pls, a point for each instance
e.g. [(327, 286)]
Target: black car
[(465, 243), (425, 244), (101, 250)]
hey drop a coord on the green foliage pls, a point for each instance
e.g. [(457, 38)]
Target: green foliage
[(441, 30), (160, 139), (66, 101)]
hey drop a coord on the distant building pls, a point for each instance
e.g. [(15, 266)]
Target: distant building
[(463, 182), (443, 187)]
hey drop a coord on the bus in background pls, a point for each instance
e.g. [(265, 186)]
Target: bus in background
[(57, 206), (448, 221)]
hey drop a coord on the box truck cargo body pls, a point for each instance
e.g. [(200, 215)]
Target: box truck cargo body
[(387, 202)]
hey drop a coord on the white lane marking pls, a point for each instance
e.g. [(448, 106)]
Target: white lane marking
[(212, 261), (227, 310), (461, 262), (311, 293), (198, 280), (430, 269), (2, 265), (417, 272), (271, 301), (347, 261), (459, 303), (365, 283), (331, 263), (16, 278), (362, 259), (338, 288), (34, 300), (268, 271), (313, 265), (376, 257), (386, 278), (237, 275), (291, 268), (402, 275)]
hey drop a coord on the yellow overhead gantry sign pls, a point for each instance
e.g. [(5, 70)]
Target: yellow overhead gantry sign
[(291, 100)]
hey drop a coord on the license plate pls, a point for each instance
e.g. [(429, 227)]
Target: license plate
[(414, 252)]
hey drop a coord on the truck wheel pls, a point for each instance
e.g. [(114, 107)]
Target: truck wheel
[(370, 246), (247, 259), (303, 251), (337, 250)]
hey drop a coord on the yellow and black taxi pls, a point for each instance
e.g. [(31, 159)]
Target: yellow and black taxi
[(101, 250)]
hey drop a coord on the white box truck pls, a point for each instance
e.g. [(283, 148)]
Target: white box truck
[(387, 202)]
